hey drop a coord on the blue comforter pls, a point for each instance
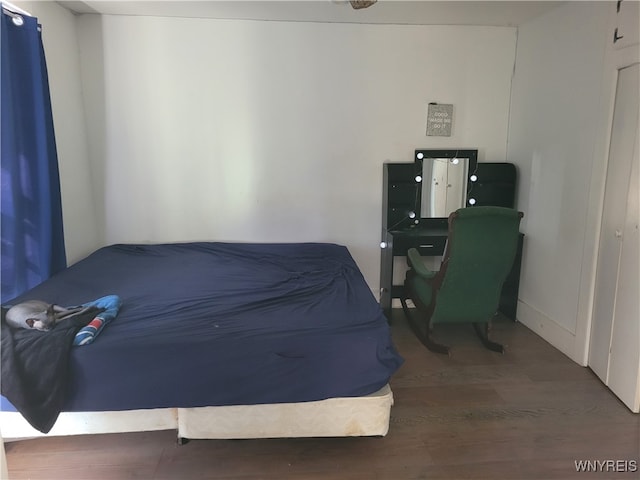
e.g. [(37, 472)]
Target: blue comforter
[(205, 324)]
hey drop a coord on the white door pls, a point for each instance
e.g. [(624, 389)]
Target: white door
[(614, 353)]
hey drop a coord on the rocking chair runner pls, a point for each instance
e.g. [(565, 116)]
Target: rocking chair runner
[(480, 251)]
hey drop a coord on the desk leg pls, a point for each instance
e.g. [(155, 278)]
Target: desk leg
[(386, 275)]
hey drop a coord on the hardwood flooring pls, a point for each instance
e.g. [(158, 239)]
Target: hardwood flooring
[(528, 414)]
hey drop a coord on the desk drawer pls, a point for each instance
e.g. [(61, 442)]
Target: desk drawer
[(428, 246)]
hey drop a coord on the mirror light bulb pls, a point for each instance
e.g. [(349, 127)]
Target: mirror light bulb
[(420, 156), (473, 178), (472, 201), (418, 178), (383, 244), (455, 161), (412, 214)]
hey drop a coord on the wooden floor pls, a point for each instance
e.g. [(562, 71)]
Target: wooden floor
[(528, 414)]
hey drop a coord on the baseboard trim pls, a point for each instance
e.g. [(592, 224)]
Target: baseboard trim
[(555, 334)]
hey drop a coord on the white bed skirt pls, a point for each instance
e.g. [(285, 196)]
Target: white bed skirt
[(333, 417)]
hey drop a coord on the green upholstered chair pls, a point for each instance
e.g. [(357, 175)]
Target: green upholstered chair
[(481, 247)]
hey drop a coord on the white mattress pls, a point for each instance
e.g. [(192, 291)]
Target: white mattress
[(13, 425), (334, 417)]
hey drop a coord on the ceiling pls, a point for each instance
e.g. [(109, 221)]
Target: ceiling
[(451, 12)]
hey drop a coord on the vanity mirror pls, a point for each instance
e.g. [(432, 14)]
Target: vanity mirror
[(447, 177)]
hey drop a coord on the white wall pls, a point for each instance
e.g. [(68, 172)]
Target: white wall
[(558, 122), (61, 50), (273, 131)]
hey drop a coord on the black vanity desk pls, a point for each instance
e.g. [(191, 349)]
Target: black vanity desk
[(403, 226), (430, 241)]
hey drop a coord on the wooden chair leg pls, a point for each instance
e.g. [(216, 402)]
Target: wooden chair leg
[(483, 333), (425, 338)]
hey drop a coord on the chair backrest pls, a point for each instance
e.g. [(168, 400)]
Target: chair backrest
[(480, 251)]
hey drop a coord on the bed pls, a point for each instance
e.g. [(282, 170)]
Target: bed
[(223, 340)]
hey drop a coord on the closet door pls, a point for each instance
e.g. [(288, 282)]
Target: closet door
[(624, 360), (614, 353)]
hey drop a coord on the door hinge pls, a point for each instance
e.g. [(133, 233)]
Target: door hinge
[(615, 35)]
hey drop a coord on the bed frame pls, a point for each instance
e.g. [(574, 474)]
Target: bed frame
[(333, 417)]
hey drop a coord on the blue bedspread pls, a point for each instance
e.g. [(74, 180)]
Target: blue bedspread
[(204, 324)]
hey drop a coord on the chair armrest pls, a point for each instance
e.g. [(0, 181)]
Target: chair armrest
[(415, 262)]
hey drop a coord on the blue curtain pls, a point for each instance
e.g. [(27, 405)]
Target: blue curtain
[(31, 226)]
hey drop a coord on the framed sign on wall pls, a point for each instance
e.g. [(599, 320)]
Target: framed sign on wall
[(439, 119)]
